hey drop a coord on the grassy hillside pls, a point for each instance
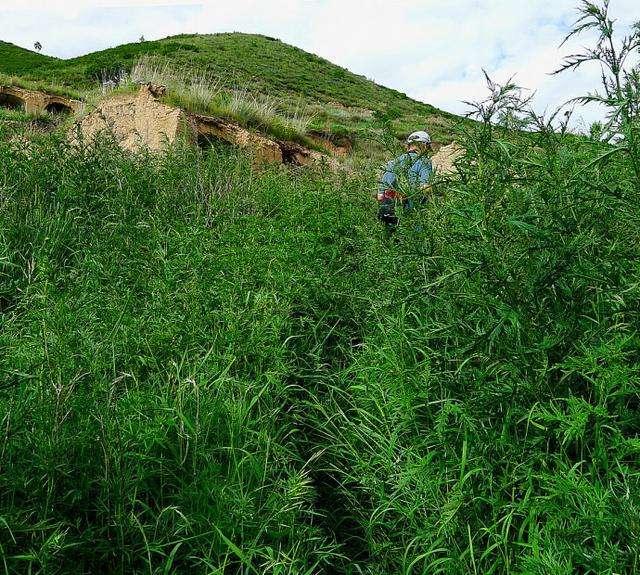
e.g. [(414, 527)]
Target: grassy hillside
[(253, 62), (18, 61)]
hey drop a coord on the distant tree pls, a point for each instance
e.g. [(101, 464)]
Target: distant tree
[(38, 46), (141, 38)]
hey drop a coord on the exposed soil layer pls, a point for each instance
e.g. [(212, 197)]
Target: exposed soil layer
[(142, 121), (445, 158), (209, 128), (135, 121), (35, 102), (338, 146)]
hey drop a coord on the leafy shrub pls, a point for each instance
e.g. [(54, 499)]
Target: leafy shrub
[(209, 369)]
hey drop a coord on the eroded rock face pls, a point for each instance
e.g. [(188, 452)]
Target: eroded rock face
[(444, 159), (34, 102), (140, 121), (263, 149), (293, 153), (136, 121)]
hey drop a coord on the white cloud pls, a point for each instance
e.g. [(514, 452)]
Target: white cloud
[(432, 50)]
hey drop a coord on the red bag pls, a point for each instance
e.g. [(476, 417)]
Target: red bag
[(390, 194)]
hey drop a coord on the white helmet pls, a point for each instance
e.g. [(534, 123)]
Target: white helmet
[(420, 137)]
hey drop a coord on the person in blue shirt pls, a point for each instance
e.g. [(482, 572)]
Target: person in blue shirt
[(404, 178)]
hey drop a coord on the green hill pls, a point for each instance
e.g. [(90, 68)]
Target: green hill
[(16, 60), (252, 62)]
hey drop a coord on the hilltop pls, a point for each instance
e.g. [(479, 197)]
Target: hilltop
[(248, 62), (20, 61)]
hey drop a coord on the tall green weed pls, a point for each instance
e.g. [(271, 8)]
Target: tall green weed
[(210, 369)]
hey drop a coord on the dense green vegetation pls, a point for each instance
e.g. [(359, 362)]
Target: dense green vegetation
[(210, 369), (16, 60), (207, 370), (249, 62), (246, 60)]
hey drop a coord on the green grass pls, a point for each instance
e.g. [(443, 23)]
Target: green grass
[(16, 60), (258, 63), (41, 85), (208, 368), (195, 91), (26, 126), (211, 370), (18, 116)]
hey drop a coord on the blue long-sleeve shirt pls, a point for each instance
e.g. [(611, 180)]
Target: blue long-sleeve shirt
[(406, 173)]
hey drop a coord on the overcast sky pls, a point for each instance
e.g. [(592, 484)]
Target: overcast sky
[(432, 50)]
